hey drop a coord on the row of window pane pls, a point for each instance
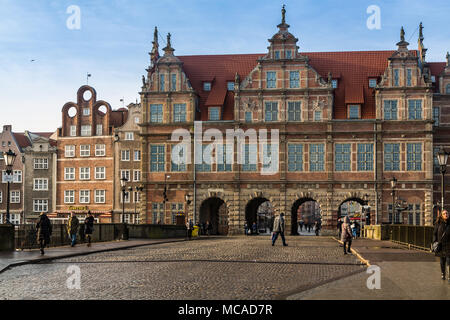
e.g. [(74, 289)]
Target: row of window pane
[(156, 113), (85, 150), (85, 196)]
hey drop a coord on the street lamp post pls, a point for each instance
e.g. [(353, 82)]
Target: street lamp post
[(9, 157), (130, 191), (123, 183), (393, 185), (442, 159), (165, 195), (139, 189)]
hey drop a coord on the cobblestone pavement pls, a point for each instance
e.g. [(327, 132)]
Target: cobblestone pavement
[(227, 268)]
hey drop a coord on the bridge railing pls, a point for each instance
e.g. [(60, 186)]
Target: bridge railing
[(419, 237)]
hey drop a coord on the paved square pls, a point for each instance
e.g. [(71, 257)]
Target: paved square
[(226, 268)]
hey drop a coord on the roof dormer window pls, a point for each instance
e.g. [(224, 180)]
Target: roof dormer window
[(353, 111), (230, 86), (372, 83), (334, 83), (206, 86), (277, 55)]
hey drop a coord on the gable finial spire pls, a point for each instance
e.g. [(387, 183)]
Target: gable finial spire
[(448, 59), (283, 14), (421, 32), (168, 40), (402, 34)]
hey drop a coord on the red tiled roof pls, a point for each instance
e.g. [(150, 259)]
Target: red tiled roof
[(436, 69), (352, 69), (22, 140), (221, 68), (118, 117)]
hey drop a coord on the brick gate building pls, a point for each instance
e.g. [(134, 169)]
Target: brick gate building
[(348, 123)]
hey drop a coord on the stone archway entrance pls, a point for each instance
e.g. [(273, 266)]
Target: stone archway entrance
[(306, 209), (350, 207), (260, 210), (215, 211)]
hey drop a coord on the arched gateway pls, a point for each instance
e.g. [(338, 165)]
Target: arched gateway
[(307, 209), (259, 210), (215, 211)]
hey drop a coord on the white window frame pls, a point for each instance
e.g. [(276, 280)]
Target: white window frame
[(69, 174), (86, 112), (100, 150), (73, 131), (129, 136), (137, 152), (85, 173), (69, 196), (85, 152), (100, 196), (40, 184), (14, 196), (137, 175), (99, 129), (17, 176), (125, 174), (70, 151), (85, 196), (86, 130), (124, 152), (40, 205), (100, 173), (40, 163)]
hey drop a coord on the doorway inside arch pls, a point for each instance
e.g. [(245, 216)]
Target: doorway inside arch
[(215, 211), (305, 212), (259, 211)]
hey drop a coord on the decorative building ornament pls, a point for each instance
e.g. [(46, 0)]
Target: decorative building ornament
[(402, 35)]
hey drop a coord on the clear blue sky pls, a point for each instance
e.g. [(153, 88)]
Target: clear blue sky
[(115, 38)]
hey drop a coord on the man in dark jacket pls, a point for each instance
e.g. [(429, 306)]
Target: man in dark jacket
[(89, 227), (44, 231), (441, 234)]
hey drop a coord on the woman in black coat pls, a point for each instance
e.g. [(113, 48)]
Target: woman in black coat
[(89, 227), (442, 235), (44, 231)]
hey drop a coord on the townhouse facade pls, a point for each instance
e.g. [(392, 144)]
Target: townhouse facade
[(39, 175), (127, 155), (12, 141), (344, 125), (85, 151)]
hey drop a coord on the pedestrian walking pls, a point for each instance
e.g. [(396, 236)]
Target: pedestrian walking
[(353, 227), (278, 229), (72, 228), (254, 228), (203, 228), (309, 226), (317, 227), (89, 227), (301, 225), (441, 235), (246, 228), (189, 227), (208, 228), (339, 227), (346, 235), (44, 231)]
